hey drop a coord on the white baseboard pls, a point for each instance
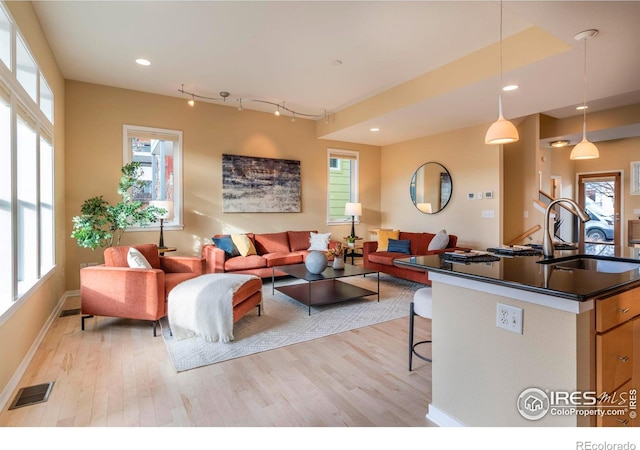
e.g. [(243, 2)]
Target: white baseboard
[(442, 419), (5, 396)]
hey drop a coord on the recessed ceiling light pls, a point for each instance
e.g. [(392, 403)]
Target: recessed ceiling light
[(143, 62), (374, 129), (561, 143), (510, 87)]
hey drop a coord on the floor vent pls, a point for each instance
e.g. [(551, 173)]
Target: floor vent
[(32, 395), (70, 312)]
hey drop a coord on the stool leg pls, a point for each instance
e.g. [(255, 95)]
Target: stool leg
[(411, 319)]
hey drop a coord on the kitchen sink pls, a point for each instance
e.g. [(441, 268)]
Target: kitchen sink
[(593, 263)]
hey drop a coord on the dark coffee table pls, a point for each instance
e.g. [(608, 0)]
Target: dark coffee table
[(323, 288)]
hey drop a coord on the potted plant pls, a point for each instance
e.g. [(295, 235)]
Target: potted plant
[(337, 252), (351, 241), (102, 224)]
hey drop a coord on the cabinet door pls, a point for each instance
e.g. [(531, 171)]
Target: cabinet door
[(614, 358), (623, 416), (614, 310)]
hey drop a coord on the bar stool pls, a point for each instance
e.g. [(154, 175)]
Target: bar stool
[(422, 306)]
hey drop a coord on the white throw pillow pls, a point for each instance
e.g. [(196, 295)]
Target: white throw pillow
[(137, 260), (439, 241), (319, 241)]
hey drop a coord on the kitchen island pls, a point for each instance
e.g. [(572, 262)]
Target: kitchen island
[(546, 373)]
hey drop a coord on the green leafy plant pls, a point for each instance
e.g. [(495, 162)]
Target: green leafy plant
[(102, 224)]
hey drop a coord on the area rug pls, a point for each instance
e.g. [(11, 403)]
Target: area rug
[(285, 321)]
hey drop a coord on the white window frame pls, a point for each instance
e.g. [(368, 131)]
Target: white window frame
[(25, 105), (129, 131), (354, 194)]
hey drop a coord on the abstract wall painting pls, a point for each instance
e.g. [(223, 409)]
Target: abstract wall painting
[(255, 185)]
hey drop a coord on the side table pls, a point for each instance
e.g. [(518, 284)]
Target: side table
[(352, 252), (163, 250)]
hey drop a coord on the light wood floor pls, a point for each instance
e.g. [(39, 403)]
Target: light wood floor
[(116, 374)]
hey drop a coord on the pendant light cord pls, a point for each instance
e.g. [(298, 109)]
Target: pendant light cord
[(500, 87), (584, 94)]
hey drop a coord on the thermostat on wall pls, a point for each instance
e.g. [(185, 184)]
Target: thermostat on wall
[(471, 196), (488, 194)]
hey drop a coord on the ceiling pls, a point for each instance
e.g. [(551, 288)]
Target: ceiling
[(409, 68)]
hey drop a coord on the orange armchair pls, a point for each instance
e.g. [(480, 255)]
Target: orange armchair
[(114, 289)]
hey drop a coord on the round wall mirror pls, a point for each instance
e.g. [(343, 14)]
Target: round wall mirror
[(431, 188)]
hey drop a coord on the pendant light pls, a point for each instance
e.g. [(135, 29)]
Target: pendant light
[(585, 149), (501, 131)]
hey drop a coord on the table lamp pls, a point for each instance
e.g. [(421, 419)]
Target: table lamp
[(353, 209), (167, 205)]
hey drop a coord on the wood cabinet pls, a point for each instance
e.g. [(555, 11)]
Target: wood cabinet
[(617, 343)]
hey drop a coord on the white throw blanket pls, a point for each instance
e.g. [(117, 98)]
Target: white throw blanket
[(203, 306)]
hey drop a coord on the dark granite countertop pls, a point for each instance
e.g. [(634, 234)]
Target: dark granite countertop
[(527, 273)]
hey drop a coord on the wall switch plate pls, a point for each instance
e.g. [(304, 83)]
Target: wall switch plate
[(479, 195), (509, 317), (488, 214)]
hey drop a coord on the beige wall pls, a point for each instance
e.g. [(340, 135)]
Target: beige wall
[(20, 327), (474, 167), (480, 370), (521, 165), (96, 114)]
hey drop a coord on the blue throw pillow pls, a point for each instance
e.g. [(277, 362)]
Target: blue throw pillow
[(399, 246), (226, 244)]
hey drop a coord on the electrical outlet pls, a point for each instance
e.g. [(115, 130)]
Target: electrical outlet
[(509, 317)]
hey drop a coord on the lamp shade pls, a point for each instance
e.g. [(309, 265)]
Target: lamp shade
[(167, 205), (585, 150), (501, 132), (353, 209)]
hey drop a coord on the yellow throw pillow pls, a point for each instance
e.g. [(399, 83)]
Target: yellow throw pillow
[(243, 244), (383, 238)]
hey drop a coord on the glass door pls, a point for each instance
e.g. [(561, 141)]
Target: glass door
[(599, 194)]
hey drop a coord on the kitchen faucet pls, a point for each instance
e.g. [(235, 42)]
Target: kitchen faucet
[(569, 205)]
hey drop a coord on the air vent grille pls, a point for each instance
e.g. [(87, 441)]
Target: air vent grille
[(70, 312), (31, 395)]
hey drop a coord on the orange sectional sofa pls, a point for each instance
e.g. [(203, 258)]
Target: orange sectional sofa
[(271, 249), (382, 261)]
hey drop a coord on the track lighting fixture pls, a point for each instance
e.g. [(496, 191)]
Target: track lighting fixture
[(280, 108), (191, 101)]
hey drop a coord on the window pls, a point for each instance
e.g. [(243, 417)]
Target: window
[(27, 251), (26, 70), (342, 184), (5, 39), (6, 227), (635, 177), (159, 153)]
